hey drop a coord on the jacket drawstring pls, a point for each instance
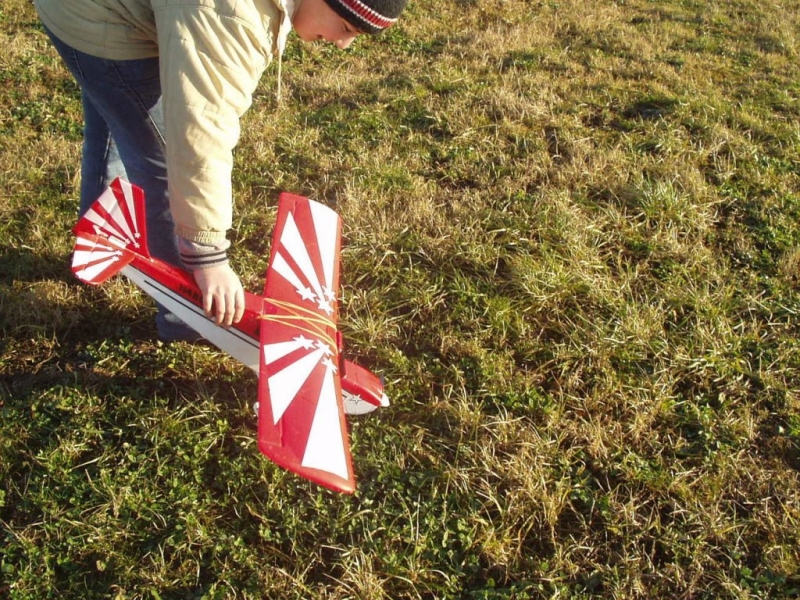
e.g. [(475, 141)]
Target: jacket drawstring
[(287, 7)]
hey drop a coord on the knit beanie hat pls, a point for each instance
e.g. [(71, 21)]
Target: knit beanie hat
[(369, 16)]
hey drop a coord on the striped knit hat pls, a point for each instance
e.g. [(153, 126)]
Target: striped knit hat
[(369, 16)]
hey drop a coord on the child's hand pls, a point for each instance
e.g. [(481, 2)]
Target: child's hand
[(223, 295)]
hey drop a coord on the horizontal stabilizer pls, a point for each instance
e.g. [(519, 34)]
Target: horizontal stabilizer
[(95, 259)]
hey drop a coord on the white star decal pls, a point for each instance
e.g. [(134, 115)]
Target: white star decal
[(304, 342), (324, 347), (306, 293)]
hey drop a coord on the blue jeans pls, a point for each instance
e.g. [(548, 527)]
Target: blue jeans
[(123, 137)]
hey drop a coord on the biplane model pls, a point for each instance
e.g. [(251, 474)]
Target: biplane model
[(288, 336)]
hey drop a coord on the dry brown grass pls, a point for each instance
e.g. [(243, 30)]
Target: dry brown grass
[(571, 246)]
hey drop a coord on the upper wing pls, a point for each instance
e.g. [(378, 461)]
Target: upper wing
[(301, 422)]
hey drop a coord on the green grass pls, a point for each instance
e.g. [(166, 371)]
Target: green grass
[(571, 246)]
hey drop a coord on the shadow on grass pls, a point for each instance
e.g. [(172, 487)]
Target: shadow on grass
[(41, 297), (29, 265), (95, 451)]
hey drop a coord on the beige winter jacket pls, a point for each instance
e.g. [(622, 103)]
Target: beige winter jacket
[(212, 55)]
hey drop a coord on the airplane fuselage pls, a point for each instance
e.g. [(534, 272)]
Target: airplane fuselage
[(176, 290)]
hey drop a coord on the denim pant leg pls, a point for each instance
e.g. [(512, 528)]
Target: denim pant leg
[(100, 161), (123, 136), (122, 99)]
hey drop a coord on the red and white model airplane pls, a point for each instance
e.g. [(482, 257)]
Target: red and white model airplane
[(288, 336)]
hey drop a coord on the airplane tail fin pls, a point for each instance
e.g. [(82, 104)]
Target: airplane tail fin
[(110, 234)]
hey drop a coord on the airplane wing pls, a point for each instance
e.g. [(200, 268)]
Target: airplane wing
[(301, 422)]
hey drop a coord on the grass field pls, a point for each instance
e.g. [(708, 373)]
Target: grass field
[(572, 247)]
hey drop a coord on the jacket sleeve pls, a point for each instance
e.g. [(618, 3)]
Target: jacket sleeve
[(210, 65)]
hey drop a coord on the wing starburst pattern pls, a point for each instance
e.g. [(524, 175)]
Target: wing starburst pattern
[(301, 420), (109, 232)]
